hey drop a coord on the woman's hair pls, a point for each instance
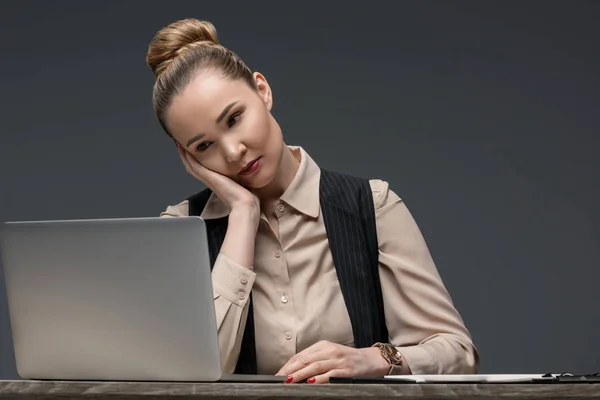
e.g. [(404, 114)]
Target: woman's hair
[(180, 51)]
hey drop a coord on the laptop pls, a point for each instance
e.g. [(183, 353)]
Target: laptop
[(113, 300)]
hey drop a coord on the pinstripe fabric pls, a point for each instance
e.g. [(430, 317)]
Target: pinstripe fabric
[(349, 216)]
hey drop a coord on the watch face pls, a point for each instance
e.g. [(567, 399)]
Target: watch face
[(393, 353)]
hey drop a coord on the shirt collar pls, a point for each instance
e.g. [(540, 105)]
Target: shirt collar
[(302, 194)]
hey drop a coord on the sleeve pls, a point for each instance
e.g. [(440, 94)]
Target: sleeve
[(232, 284), (421, 318)]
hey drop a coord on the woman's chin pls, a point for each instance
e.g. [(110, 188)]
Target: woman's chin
[(256, 185), (258, 181)]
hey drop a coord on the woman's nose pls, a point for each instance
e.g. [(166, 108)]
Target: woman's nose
[(234, 152)]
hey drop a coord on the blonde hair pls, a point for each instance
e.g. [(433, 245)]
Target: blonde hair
[(180, 51)]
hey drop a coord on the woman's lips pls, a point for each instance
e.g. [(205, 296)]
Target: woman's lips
[(251, 167)]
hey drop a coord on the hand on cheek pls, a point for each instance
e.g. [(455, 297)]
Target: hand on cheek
[(230, 192)]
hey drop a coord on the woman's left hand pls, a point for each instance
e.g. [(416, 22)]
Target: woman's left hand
[(325, 359)]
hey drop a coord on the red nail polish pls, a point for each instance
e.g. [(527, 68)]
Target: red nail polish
[(289, 379), (311, 380)]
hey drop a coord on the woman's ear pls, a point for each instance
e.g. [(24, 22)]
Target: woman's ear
[(264, 90)]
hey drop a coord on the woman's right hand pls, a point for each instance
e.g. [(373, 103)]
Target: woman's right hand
[(234, 195)]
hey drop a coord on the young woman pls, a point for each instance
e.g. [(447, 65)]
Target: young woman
[(315, 273)]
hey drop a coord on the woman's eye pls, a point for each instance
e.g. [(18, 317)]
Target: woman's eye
[(202, 146), (233, 119)]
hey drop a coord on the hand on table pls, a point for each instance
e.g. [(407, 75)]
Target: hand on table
[(319, 362)]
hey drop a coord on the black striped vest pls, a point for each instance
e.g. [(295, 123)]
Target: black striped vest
[(349, 216)]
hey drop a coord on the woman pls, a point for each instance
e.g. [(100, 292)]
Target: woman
[(315, 274)]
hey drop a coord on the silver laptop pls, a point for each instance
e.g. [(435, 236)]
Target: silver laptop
[(113, 299)]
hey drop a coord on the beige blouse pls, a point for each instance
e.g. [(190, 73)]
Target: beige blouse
[(297, 297)]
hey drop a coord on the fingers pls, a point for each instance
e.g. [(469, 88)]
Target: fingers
[(192, 166), (324, 378), (181, 150), (324, 360), (315, 364), (183, 155), (287, 369), (318, 365), (195, 168), (301, 361)]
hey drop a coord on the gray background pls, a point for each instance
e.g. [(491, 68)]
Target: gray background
[(483, 116)]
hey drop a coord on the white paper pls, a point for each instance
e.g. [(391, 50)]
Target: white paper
[(497, 378)]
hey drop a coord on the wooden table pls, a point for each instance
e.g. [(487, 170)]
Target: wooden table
[(23, 389)]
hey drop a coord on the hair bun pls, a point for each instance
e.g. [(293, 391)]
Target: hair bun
[(177, 37)]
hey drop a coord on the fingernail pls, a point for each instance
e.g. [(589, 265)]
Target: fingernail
[(311, 380), (289, 379)]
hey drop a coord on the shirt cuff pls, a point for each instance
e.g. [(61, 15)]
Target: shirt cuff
[(232, 281), (418, 360)]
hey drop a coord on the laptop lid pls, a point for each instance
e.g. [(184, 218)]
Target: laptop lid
[(111, 299)]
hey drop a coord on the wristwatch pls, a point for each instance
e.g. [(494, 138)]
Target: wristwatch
[(391, 355)]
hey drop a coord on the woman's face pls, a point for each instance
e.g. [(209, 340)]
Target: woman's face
[(228, 127)]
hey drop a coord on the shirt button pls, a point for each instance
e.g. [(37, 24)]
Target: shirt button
[(242, 295), (284, 299), (277, 253), (288, 335), (243, 280), (280, 207)]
